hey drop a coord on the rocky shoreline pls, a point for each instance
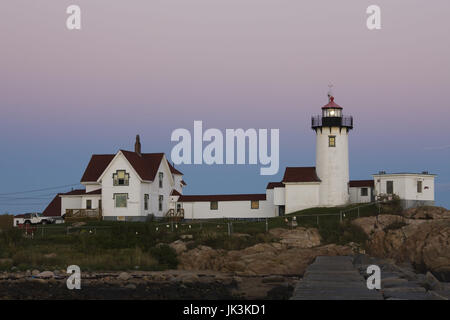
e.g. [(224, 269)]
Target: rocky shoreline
[(171, 284)]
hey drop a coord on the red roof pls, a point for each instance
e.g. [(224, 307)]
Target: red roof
[(54, 207), (173, 170), (300, 174), (272, 185), (80, 192), (96, 166), (361, 183), (222, 197), (146, 165), (332, 104)]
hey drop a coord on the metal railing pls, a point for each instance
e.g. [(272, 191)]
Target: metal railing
[(344, 121)]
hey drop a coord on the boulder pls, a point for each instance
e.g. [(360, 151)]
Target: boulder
[(423, 242), (179, 246), (46, 275), (298, 237), (124, 276), (427, 212)]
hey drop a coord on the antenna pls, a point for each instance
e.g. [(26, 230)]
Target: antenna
[(330, 91)]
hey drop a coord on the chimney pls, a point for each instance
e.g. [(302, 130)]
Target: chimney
[(137, 146)]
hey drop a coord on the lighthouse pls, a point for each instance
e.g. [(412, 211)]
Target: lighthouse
[(332, 129)]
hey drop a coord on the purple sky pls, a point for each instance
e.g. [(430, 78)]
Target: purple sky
[(149, 67)]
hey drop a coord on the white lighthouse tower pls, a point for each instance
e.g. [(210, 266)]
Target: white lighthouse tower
[(332, 129)]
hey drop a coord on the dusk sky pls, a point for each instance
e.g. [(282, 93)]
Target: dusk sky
[(149, 67)]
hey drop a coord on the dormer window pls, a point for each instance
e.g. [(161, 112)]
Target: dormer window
[(121, 178)]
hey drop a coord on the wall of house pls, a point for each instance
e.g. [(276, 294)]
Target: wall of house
[(155, 191), (279, 196), (405, 186), (133, 189), (177, 183), (299, 196), (332, 167), (228, 209), (70, 202), (94, 199), (356, 197), (92, 186)]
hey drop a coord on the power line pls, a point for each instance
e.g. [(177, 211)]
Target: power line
[(37, 190)]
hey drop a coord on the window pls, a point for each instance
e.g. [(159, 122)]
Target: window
[(121, 178), (214, 205), (160, 203), (254, 204), (161, 176), (364, 192), (120, 200), (389, 187), (146, 197), (419, 186), (88, 204), (332, 141)]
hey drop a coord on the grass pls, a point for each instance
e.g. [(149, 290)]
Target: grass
[(111, 245), (6, 221)]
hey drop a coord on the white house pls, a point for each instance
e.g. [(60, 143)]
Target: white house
[(133, 185), (414, 189)]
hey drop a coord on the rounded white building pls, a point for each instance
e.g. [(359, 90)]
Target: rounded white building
[(332, 129)]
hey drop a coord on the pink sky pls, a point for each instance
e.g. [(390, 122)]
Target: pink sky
[(149, 67)]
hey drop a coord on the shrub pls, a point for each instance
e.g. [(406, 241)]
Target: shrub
[(342, 233), (165, 255)]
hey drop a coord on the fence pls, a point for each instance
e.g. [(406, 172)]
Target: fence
[(227, 226)]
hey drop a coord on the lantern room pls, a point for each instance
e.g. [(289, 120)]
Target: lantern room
[(331, 109)]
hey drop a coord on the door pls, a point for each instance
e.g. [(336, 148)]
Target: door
[(281, 210)]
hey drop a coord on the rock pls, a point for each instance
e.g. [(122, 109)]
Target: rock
[(427, 212), (35, 272), (124, 276), (50, 255), (260, 259), (187, 236), (130, 286), (298, 237), (46, 275), (241, 235), (432, 282), (273, 279), (424, 243), (179, 246)]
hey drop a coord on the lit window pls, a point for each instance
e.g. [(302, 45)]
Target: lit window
[(364, 192), (255, 204), (160, 203), (161, 176), (419, 186), (332, 141), (121, 178), (214, 205), (120, 200), (146, 197)]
